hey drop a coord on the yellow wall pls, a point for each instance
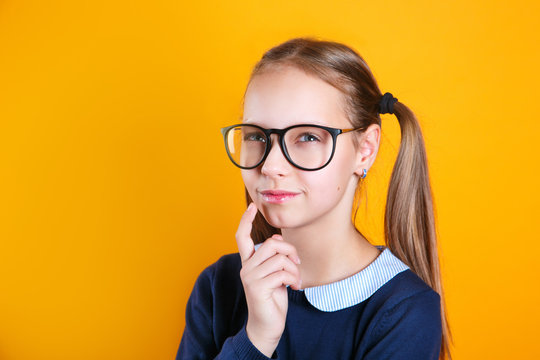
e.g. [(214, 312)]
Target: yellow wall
[(115, 190)]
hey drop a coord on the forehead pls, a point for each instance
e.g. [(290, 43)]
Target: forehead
[(288, 96)]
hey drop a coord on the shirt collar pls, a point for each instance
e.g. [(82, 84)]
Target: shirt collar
[(358, 287)]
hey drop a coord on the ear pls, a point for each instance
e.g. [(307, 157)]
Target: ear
[(368, 146)]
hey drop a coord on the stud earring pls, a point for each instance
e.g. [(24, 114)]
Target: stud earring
[(364, 174)]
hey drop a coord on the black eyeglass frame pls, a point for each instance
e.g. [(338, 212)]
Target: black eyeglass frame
[(281, 140)]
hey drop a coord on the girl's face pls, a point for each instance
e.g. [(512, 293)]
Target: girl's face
[(284, 97)]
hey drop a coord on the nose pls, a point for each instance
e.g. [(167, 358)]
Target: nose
[(275, 164)]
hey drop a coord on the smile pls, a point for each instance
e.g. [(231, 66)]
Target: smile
[(278, 196)]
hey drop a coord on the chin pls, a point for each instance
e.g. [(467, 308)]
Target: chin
[(279, 221), (273, 221)]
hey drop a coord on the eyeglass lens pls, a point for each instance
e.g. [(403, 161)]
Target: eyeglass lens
[(308, 147)]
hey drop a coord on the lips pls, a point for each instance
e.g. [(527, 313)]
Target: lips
[(278, 196)]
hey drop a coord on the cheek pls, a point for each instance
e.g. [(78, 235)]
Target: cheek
[(333, 179), (248, 176), (325, 185)]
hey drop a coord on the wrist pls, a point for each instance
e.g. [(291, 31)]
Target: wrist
[(264, 345)]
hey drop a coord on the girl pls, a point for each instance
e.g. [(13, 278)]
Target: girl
[(305, 283)]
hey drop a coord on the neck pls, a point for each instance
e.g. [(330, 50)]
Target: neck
[(329, 252)]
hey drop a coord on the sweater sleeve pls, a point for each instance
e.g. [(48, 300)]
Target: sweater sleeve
[(198, 340), (409, 330)]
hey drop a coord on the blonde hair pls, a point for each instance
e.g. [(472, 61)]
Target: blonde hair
[(409, 222)]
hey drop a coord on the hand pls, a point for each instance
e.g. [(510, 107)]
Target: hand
[(265, 274)]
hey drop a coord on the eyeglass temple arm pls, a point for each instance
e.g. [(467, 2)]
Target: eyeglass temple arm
[(355, 129)]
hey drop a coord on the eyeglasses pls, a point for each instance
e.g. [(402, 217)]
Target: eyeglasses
[(306, 146)]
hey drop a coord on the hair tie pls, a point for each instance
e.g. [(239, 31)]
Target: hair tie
[(386, 104)]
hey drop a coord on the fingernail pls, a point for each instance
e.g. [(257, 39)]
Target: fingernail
[(298, 260), (250, 207), (277, 237)]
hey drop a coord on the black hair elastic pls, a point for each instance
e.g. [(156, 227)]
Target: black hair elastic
[(386, 104)]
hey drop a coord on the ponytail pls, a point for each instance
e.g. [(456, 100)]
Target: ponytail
[(409, 221)]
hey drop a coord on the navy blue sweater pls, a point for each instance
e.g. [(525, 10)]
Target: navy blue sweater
[(400, 320)]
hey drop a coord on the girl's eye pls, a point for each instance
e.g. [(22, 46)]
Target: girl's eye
[(308, 137), (254, 137)]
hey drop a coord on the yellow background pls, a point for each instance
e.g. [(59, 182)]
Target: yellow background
[(115, 190)]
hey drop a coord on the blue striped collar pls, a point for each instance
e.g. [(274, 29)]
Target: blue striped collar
[(358, 287)]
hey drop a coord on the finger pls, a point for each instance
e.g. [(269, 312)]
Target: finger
[(278, 279), (272, 246), (274, 264), (243, 233)]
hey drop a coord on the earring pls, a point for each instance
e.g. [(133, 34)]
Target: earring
[(364, 174)]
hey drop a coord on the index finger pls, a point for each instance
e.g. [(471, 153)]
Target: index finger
[(246, 248)]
